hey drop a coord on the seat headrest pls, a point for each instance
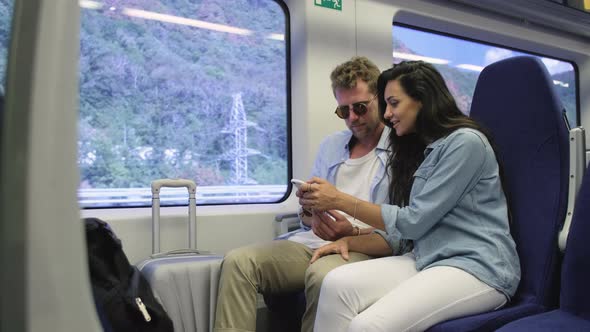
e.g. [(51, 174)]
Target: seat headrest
[(515, 92)]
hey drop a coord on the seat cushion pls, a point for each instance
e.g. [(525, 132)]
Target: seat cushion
[(489, 321), (556, 320)]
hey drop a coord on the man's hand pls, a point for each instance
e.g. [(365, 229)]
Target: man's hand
[(331, 225)]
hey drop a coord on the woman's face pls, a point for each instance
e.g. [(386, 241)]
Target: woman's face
[(401, 110)]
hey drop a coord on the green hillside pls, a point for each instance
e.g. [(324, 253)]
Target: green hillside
[(155, 97)]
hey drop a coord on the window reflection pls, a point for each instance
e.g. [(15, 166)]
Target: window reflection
[(460, 61)]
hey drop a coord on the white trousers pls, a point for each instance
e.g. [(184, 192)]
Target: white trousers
[(389, 294)]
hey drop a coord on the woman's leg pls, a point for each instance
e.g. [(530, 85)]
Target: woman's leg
[(350, 289), (431, 296), (314, 277)]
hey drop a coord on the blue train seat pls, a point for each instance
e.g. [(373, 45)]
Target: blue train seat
[(509, 94), (574, 310)]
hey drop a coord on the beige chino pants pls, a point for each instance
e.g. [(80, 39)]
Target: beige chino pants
[(276, 267)]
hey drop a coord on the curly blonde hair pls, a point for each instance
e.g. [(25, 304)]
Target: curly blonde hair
[(345, 75)]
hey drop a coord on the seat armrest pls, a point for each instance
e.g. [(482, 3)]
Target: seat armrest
[(286, 222), (577, 139)]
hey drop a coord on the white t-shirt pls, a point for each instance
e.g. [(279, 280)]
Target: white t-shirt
[(353, 177)]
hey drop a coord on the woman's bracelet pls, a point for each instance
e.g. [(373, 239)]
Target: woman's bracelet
[(358, 230)]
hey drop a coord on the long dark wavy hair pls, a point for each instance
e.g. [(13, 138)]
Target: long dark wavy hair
[(438, 117)]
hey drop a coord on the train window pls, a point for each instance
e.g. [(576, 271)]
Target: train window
[(6, 7), (183, 89), (460, 61)]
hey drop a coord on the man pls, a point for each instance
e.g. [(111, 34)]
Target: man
[(354, 161)]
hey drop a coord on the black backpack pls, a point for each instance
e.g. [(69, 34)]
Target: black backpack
[(123, 297)]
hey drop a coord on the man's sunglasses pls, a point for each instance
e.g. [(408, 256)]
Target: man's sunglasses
[(359, 109)]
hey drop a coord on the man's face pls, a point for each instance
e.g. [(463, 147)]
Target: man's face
[(362, 126)]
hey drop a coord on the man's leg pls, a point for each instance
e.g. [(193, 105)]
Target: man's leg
[(273, 267), (313, 282)]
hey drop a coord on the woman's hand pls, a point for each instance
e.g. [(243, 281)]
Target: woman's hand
[(337, 247), (319, 195)]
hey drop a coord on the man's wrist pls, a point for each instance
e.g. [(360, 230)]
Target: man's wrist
[(305, 213)]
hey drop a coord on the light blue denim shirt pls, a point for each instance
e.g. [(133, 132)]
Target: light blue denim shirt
[(458, 214), (334, 151)]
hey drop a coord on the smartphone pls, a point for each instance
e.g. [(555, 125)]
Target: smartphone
[(297, 183), (327, 214)]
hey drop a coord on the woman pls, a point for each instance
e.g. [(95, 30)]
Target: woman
[(464, 260)]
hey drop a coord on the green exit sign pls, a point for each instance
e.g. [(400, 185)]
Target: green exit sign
[(332, 4)]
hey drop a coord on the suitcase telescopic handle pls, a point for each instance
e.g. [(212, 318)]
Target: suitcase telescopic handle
[(157, 185)]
